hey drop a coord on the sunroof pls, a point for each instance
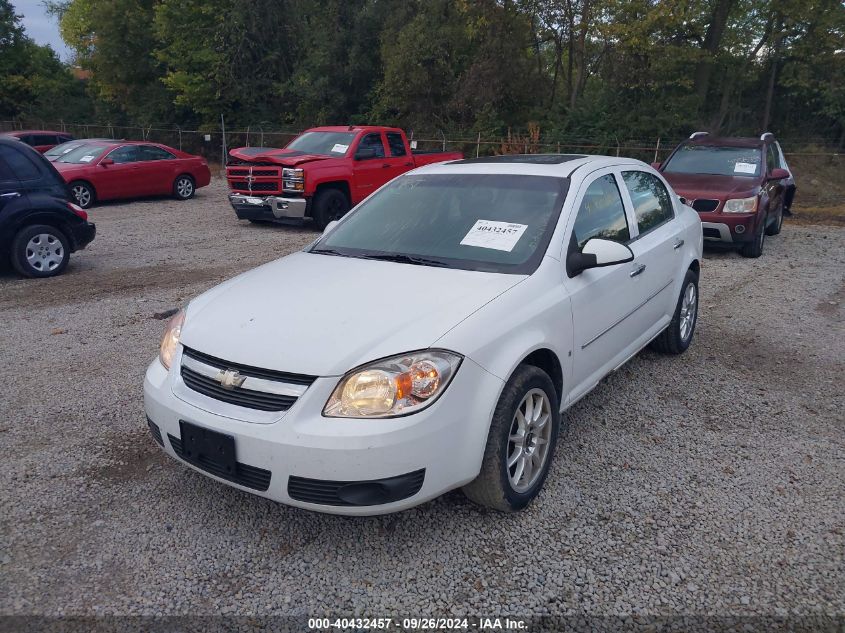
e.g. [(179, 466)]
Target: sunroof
[(531, 159)]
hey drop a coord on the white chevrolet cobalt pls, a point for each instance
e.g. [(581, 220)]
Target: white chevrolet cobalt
[(430, 339)]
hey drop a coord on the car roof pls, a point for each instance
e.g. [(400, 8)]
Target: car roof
[(726, 141), (353, 128), (557, 165)]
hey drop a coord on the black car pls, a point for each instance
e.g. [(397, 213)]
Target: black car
[(39, 226)]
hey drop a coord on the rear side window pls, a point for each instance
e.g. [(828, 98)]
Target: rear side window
[(652, 203), (601, 213), (21, 165), (772, 158), (151, 152), (44, 139), (396, 144)]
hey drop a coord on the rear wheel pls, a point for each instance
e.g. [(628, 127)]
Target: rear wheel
[(329, 205), (83, 192), (40, 251), (676, 338), (520, 443), (183, 187)]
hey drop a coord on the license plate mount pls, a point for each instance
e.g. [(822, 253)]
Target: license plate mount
[(203, 447)]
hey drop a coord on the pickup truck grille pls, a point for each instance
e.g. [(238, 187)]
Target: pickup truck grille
[(247, 179), (261, 389)]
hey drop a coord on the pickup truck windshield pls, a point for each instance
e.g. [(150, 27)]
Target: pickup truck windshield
[(720, 161), (492, 223), (325, 143), (82, 155)]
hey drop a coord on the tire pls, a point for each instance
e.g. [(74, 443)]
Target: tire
[(84, 193), (754, 248), (494, 487), (329, 205), (40, 250), (184, 187), (677, 336), (774, 227)]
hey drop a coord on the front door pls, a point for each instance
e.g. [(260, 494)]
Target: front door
[(603, 299), (124, 177), (370, 169)]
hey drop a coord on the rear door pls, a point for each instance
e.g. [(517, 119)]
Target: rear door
[(603, 299), (398, 159), (656, 247), (369, 171), (12, 194), (158, 167)]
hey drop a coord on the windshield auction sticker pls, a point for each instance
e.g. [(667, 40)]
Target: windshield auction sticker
[(339, 148), (501, 236), (745, 168)]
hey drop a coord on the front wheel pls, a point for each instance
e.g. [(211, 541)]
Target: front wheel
[(83, 192), (676, 338), (183, 187), (329, 205), (754, 248), (774, 227), (520, 443), (40, 251)]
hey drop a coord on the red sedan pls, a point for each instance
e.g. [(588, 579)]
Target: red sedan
[(108, 170), (42, 140)]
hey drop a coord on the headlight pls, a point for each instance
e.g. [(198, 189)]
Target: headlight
[(170, 340), (394, 386), (293, 179), (741, 205)]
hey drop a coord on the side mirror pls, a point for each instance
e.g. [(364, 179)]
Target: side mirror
[(778, 174), (329, 226), (682, 199), (597, 252), (656, 165), (365, 153), (106, 162)]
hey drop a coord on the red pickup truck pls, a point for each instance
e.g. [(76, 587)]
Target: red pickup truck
[(321, 174)]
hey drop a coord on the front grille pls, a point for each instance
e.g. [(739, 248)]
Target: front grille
[(710, 232), (268, 187), (255, 172), (248, 398), (156, 432), (244, 475), (703, 205), (355, 493)]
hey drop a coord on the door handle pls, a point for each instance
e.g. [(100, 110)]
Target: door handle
[(385, 166), (11, 194), (678, 244), (409, 164), (637, 270)]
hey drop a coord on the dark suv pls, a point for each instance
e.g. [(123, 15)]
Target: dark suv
[(741, 187), (39, 226)]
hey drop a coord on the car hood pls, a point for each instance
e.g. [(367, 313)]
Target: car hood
[(322, 315), (712, 186), (284, 157), (69, 168)]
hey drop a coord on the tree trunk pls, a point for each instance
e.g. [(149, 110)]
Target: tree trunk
[(775, 61), (710, 47)]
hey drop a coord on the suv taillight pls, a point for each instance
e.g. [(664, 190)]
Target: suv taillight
[(78, 211)]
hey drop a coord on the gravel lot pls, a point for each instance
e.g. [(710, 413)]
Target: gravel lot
[(712, 483)]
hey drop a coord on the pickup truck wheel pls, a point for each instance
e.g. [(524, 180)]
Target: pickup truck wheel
[(774, 227), (520, 443), (40, 251), (83, 192), (754, 248), (676, 338), (183, 187), (329, 205)]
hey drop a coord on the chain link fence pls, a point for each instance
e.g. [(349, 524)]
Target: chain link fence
[(214, 143)]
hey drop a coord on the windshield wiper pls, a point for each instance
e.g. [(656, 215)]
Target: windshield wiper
[(329, 251), (405, 259)]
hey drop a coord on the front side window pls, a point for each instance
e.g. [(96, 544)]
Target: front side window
[(323, 143), (396, 144), (372, 141), (127, 154), (651, 200), (601, 213), (491, 223), (715, 160), (772, 158)]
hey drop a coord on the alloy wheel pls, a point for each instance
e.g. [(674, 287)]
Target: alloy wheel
[(528, 440), (689, 304), (82, 195), (184, 187)]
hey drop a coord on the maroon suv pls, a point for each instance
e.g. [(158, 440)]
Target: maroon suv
[(741, 187)]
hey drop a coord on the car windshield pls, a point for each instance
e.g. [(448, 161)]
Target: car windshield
[(325, 143), (82, 155), (717, 160), (64, 148), (492, 223)]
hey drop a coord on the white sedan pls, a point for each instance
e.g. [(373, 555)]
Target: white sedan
[(431, 339)]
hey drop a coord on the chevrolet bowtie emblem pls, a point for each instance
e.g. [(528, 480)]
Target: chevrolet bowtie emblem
[(230, 379)]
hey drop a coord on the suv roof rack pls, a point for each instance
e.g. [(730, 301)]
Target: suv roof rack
[(767, 136), (698, 134)]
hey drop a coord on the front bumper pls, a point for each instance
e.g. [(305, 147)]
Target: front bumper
[(729, 228), (302, 448), (268, 207), (83, 234)]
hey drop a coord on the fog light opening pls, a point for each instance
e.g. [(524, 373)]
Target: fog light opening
[(740, 228)]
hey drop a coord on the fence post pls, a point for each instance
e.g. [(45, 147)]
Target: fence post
[(656, 150), (223, 145), (180, 137), (443, 136), (617, 145), (478, 145), (247, 135)]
